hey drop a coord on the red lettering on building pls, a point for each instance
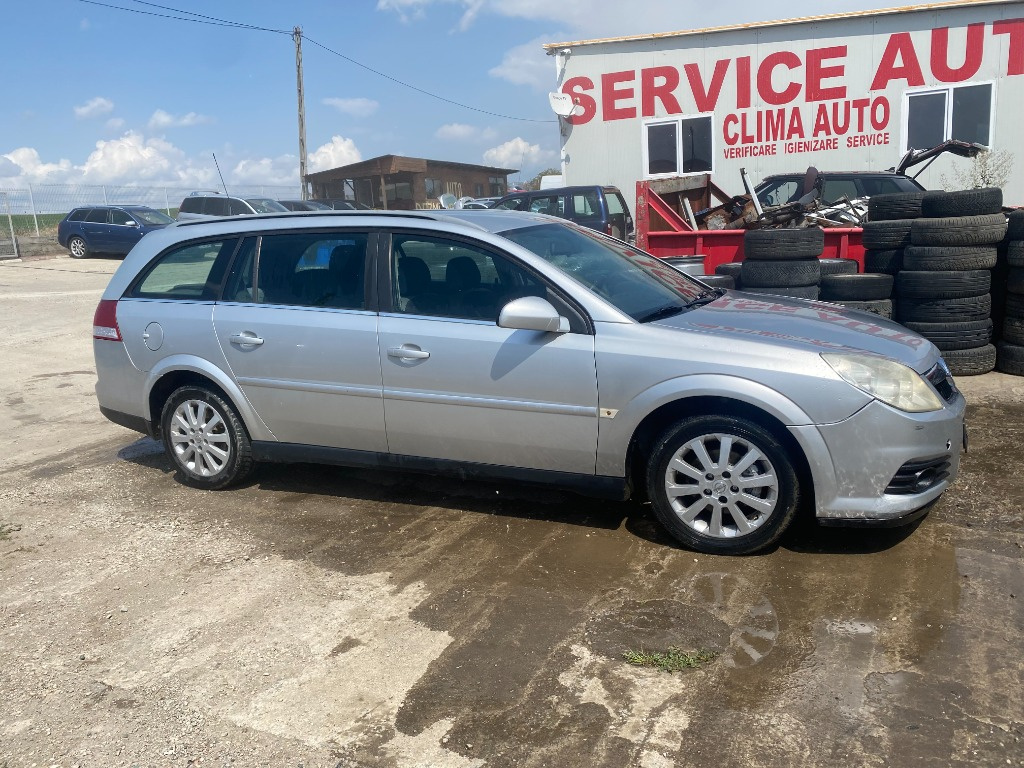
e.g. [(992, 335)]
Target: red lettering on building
[(705, 99), (576, 88), (765, 88), (974, 50), (743, 82), (611, 95), (1015, 55), (651, 89), (899, 48), (816, 72)]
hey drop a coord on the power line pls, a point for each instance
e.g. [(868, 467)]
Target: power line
[(198, 18)]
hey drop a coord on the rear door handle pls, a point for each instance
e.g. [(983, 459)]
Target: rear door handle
[(245, 338), (408, 353)]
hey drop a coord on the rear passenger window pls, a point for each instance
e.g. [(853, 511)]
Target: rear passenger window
[(324, 269), (215, 206), (191, 205), (186, 273), (586, 204), (553, 205), (78, 215), (97, 216)]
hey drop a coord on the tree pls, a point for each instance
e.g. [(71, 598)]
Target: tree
[(986, 169), (534, 183)]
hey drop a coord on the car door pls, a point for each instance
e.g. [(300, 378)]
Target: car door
[(299, 332), (123, 231), (459, 387), (96, 230)]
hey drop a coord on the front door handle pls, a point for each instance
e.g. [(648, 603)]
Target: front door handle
[(408, 352), (246, 339)]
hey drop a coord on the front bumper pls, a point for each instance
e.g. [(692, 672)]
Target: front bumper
[(868, 450)]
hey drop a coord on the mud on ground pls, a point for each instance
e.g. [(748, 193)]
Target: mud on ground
[(330, 617)]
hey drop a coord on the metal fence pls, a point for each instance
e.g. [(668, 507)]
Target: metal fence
[(8, 243), (36, 209)]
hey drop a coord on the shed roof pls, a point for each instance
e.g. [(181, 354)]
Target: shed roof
[(550, 47), (391, 164)]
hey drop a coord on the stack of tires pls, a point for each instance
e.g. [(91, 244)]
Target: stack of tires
[(782, 262), (867, 292), (943, 290), (1010, 350)]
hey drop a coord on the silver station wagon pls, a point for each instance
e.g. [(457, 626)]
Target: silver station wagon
[(519, 346)]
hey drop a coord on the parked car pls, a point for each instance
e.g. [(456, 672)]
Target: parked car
[(205, 205), (112, 229), (600, 208), (521, 346), (784, 188), (305, 205), (345, 205), (478, 203)]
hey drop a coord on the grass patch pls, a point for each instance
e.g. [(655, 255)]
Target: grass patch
[(672, 660)]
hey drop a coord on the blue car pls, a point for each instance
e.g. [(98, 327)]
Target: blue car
[(113, 229)]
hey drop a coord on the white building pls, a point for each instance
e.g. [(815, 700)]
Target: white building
[(839, 92)]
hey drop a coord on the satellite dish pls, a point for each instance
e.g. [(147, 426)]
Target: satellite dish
[(562, 105), (448, 201)]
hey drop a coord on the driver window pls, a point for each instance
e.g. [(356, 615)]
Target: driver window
[(449, 278)]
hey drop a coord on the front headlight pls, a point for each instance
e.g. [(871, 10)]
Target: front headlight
[(893, 383)]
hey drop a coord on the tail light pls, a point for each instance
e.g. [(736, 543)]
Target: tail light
[(608, 229), (104, 322)]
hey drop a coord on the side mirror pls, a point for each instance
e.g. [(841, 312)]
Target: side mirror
[(532, 313)]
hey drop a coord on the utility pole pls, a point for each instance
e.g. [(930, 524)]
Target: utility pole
[(297, 37)]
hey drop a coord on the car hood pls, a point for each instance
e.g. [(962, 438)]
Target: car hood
[(811, 326)]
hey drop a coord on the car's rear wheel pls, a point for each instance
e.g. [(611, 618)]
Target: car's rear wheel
[(722, 485), (205, 439), (78, 248)]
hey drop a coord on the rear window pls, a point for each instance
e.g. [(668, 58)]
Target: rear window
[(78, 215), (191, 205), (186, 273), (615, 202), (97, 216)]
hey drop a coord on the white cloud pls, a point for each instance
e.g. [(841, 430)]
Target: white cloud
[(527, 64), (130, 157), (281, 170), (518, 153), (162, 119), (115, 124), (8, 168), (337, 152), (356, 107), (31, 168), (456, 132), (94, 108)]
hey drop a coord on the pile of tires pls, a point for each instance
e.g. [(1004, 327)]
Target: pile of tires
[(943, 288), (782, 262), (1010, 349)]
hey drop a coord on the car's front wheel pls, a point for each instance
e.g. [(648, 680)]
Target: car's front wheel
[(78, 248), (205, 438), (722, 485)]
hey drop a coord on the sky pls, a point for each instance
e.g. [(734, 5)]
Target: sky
[(117, 93)]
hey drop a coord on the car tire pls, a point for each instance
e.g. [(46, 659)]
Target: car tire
[(798, 292), (838, 266), (731, 268), (783, 244), (780, 274), (965, 202), (959, 230), (1015, 280), (1013, 330), (1015, 224), (944, 310), (949, 336), (1014, 306), (897, 205), (888, 261), (77, 248), (886, 235), (1010, 358), (690, 490), (860, 287), (880, 307), (943, 284), (1015, 253), (971, 362), (718, 281), (923, 258), (205, 439)]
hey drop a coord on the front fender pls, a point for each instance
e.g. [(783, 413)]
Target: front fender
[(615, 433), (177, 363)]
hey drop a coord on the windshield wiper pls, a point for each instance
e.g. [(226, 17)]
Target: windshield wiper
[(660, 313), (706, 298)]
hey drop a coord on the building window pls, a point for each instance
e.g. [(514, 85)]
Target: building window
[(685, 145), (497, 185), (963, 113), (435, 187), (478, 190), (401, 190)]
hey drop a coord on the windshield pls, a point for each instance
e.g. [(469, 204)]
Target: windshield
[(265, 205), (150, 217), (315, 205), (641, 285)]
